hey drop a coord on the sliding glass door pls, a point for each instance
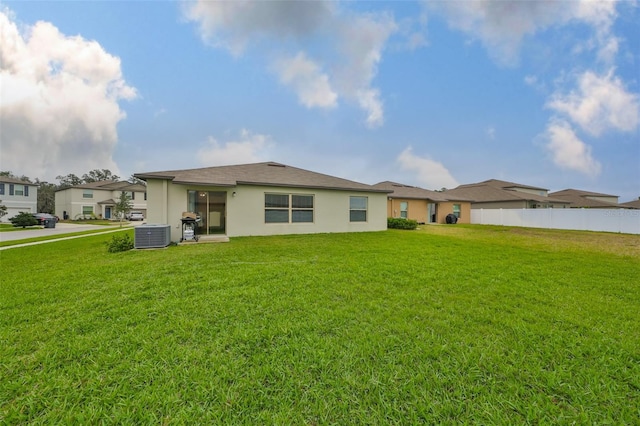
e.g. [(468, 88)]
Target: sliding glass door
[(211, 207)]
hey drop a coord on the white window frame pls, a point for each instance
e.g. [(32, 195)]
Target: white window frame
[(357, 209), (404, 213), (87, 193), (289, 208), (457, 208)]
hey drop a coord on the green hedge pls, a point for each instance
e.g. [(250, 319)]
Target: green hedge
[(400, 223)]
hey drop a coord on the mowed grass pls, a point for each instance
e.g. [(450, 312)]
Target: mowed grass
[(447, 324)]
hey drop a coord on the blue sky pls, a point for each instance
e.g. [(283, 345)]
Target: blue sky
[(432, 94)]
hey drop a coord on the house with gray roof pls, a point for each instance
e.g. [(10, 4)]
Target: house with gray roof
[(423, 205), (17, 196), (98, 199), (499, 194), (262, 199), (587, 199)]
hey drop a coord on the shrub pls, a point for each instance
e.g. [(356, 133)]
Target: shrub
[(401, 223), (119, 243), (23, 219)]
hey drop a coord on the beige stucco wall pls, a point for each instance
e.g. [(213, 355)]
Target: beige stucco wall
[(446, 207), (531, 191), (416, 209), (419, 210), (245, 211)]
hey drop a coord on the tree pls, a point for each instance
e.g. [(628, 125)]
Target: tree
[(23, 219), (123, 206), (46, 197), (68, 181), (98, 175), (3, 210), (135, 180), (11, 175)]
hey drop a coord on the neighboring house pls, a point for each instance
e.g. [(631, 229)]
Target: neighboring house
[(98, 199), (263, 199), (635, 204), (585, 199), (18, 196), (499, 194), (422, 205)]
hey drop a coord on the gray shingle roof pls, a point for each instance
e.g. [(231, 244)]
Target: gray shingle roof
[(111, 185), (635, 204), (501, 184), (5, 179), (579, 198), (415, 193), (267, 173), (494, 191)]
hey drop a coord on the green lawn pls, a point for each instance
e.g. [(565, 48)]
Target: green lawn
[(447, 324)]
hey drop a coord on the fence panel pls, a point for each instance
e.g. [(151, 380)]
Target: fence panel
[(607, 220)]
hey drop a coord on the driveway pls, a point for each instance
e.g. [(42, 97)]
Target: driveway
[(60, 230)]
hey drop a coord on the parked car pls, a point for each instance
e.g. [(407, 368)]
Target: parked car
[(44, 218), (135, 215)]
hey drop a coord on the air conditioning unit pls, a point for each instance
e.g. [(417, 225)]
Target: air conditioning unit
[(152, 236)]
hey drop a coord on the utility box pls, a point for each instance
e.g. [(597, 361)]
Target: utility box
[(152, 236)]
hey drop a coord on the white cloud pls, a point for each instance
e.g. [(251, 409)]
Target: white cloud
[(568, 151), (491, 132), (311, 85), (600, 103), (431, 174), (59, 105), (501, 26), (250, 148), (362, 40), (234, 24), (349, 46)]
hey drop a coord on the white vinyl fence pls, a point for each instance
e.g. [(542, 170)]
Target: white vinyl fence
[(607, 220)]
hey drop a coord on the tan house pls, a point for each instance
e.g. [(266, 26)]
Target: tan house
[(98, 199), (263, 199), (585, 199), (422, 205), (499, 194)]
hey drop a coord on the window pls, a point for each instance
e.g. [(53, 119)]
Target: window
[(87, 210), (456, 210), (18, 190), (145, 195), (87, 193), (357, 209), (1, 188), (288, 208), (404, 207), (302, 208), (132, 195)]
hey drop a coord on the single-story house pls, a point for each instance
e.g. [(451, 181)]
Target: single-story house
[(499, 194), (586, 199), (422, 205), (263, 199), (98, 199), (17, 196)]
